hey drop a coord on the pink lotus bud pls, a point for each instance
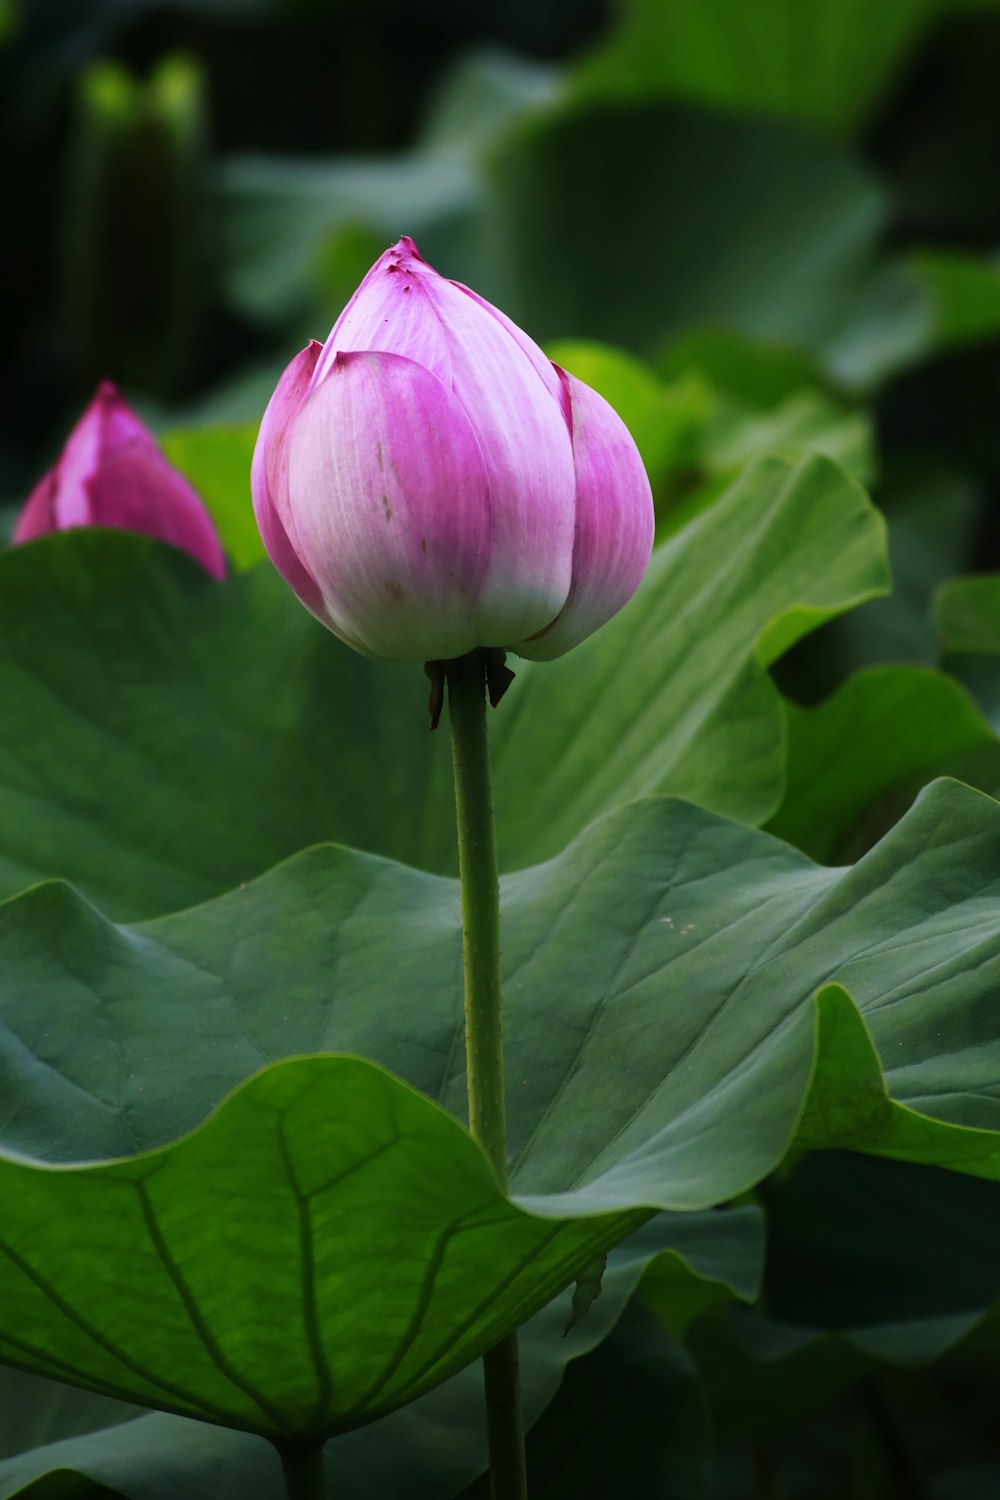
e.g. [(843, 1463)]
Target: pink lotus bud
[(111, 473), (428, 482)]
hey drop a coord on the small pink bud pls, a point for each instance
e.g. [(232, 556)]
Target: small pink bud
[(111, 473), (428, 482)]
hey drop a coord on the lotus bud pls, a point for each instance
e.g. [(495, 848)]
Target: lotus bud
[(428, 482), (111, 473)]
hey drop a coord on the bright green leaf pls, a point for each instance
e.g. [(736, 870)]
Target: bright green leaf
[(325, 1248), (217, 462), (804, 423), (432, 1447)]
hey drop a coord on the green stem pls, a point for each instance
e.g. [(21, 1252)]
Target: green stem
[(302, 1467), (477, 863), (477, 860)]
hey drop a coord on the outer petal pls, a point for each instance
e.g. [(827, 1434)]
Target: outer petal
[(62, 497), (135, 489), (80, 459), (525, 440), (614, 524), (543, 366), (388, 501), (37, 516), (269, 476), (511, 396), (390, 311)]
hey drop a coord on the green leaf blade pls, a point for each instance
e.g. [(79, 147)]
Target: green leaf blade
[(168, 738)]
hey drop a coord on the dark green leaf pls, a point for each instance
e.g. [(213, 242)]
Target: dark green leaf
[(901, 1259), (702, 221), (967, 618), (828, 62), (887, 728), (630, 1419), (658, 899)]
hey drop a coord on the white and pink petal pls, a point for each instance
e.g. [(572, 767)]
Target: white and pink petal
[(392, 507), (614, 524)]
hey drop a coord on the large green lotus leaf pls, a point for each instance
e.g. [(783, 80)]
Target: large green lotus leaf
[(165, 738), (672, 695), (827, 62), (659, 978), (326, 1247), (664, 1051), (888, 728), (430, 1448)]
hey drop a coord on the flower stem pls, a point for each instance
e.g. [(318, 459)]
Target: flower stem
[(302, 1467), (477, 859)]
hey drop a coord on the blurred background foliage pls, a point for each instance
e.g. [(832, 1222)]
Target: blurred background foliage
[(757, 226), (780, 217)]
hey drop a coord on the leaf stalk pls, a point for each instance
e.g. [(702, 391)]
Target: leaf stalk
[(302, 1468)]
